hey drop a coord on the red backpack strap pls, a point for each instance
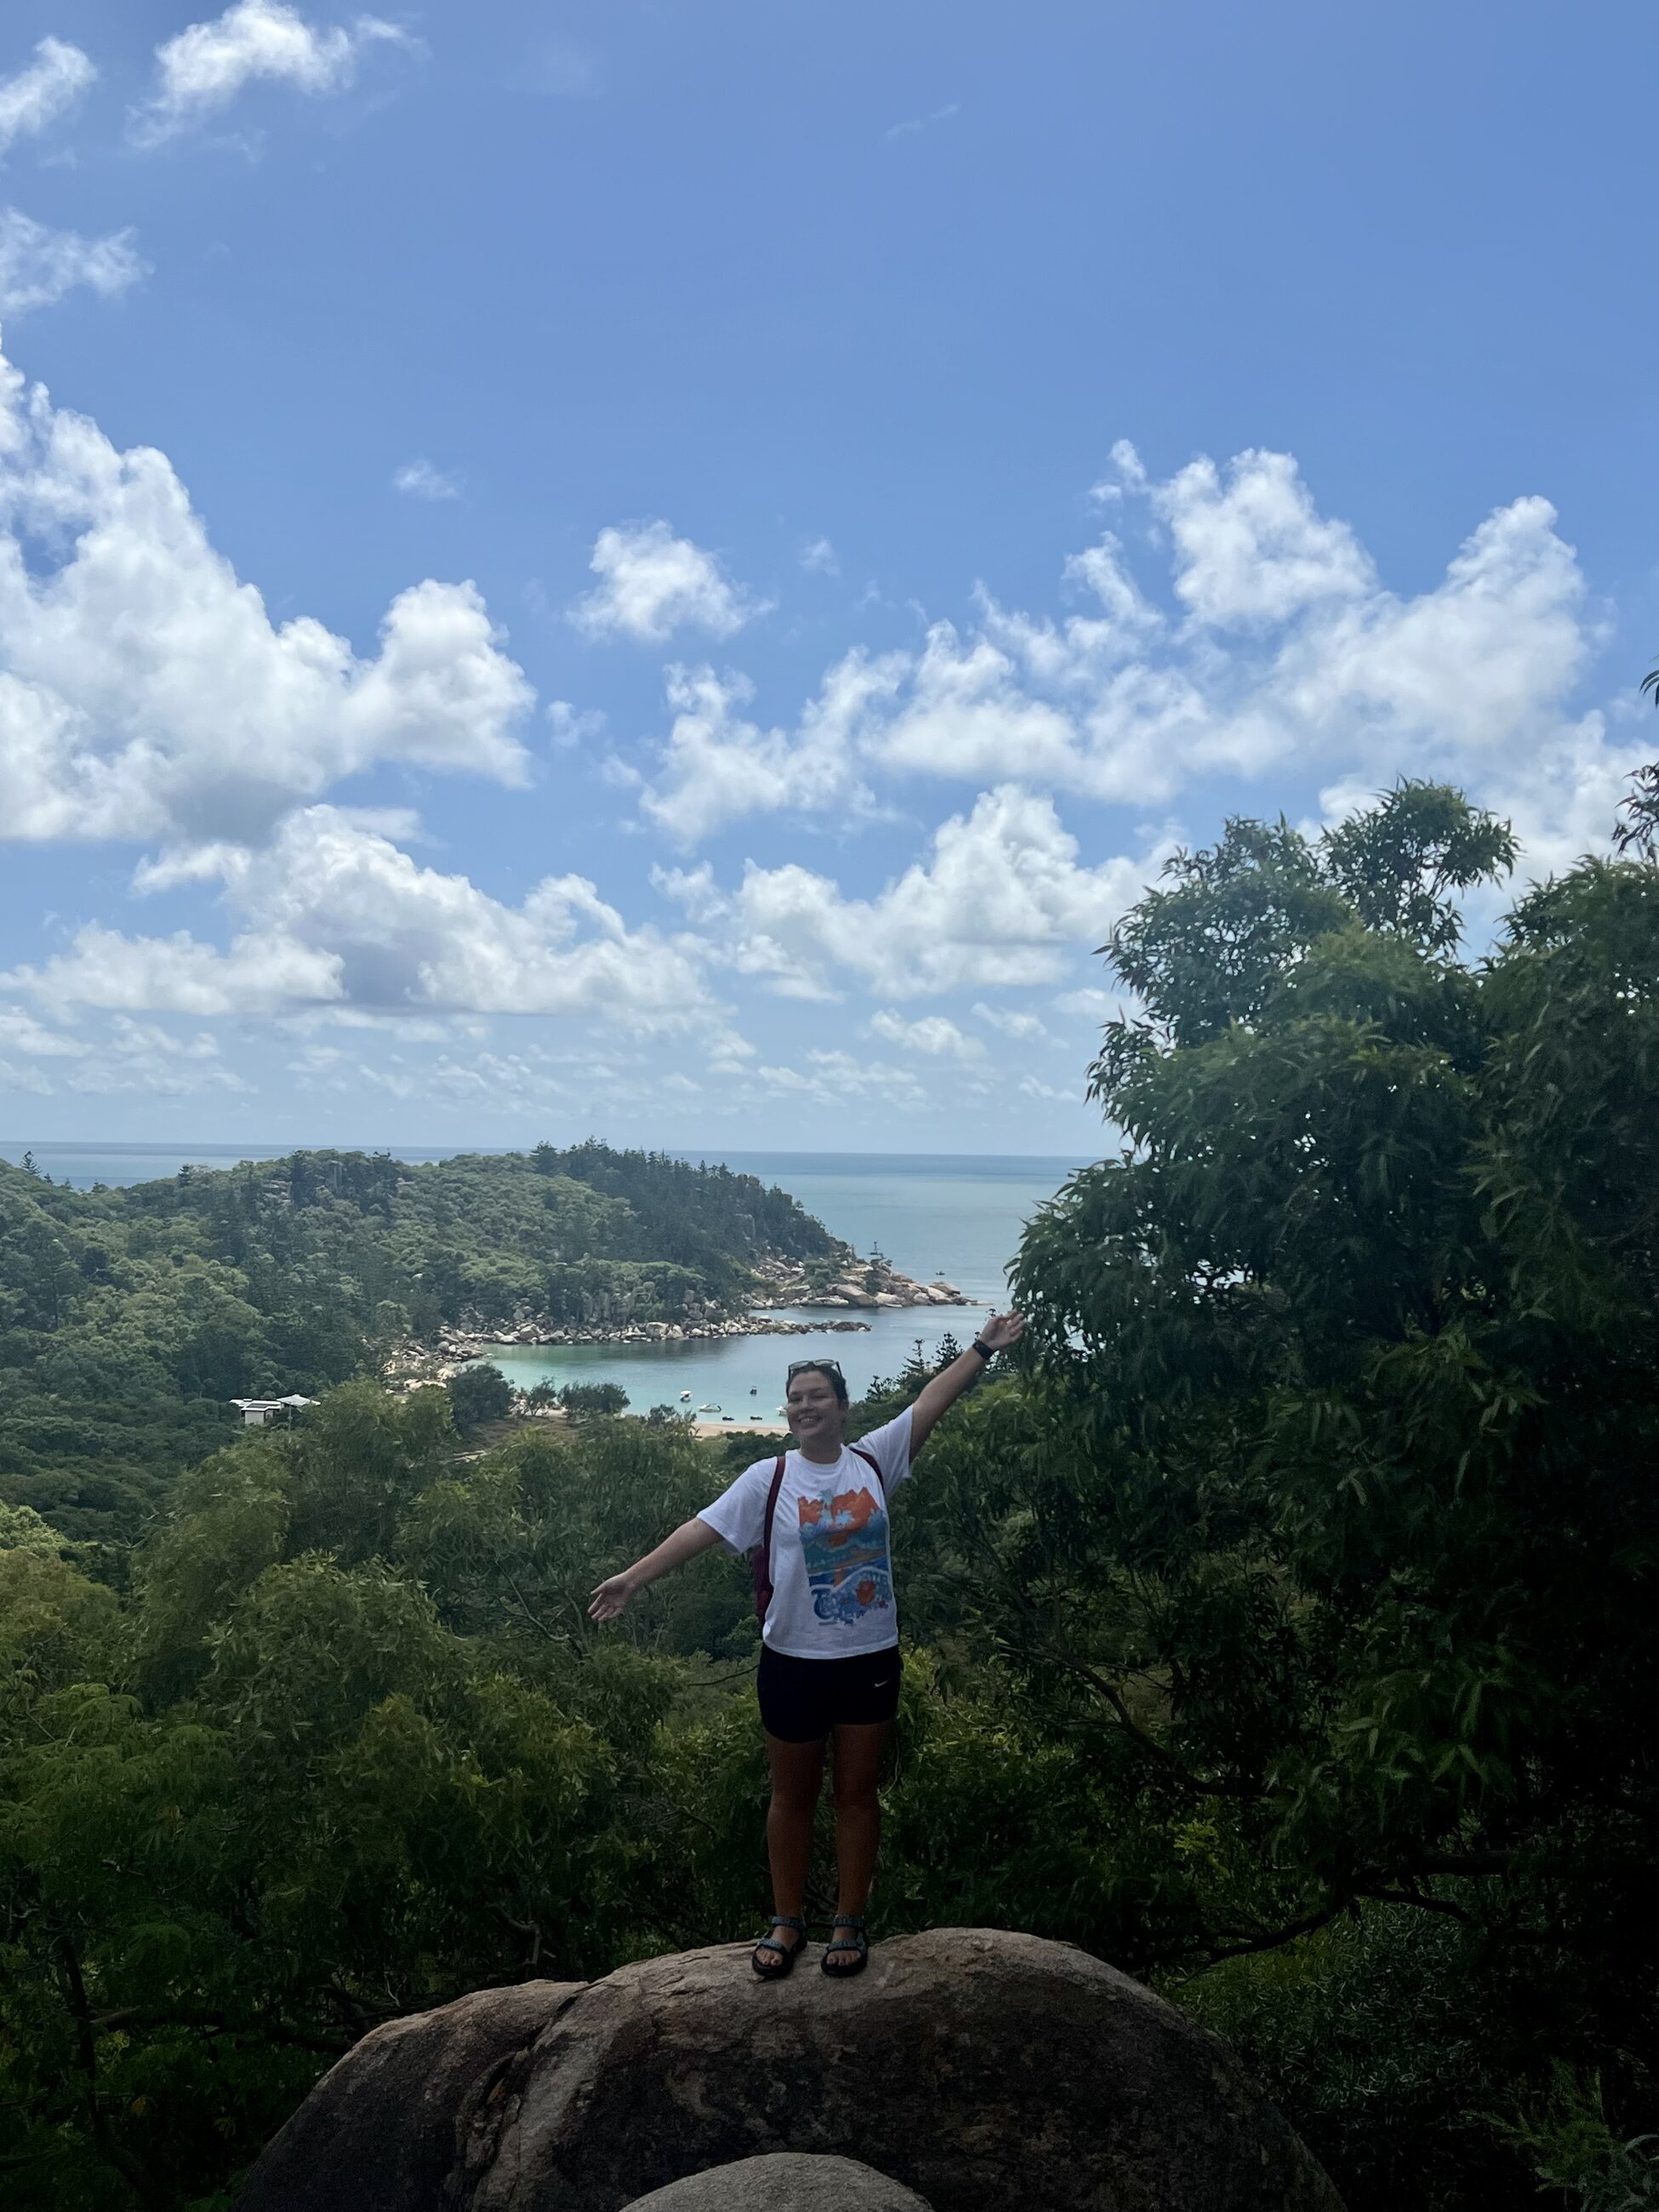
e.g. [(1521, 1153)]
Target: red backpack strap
[(772, 1504), (874, 1466), (760, 1559)]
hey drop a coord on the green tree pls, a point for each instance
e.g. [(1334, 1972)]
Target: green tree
[(130, 1318), (478, 1395), (578, 1399), (1328, 1519), (350, 1748)]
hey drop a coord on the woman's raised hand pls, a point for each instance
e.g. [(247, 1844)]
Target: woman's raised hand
[(1002, 1330), (611, 1597), (613, 1594)]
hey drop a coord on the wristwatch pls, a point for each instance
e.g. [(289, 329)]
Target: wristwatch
[(987, 1351)]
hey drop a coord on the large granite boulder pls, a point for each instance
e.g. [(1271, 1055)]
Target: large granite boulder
[(382, 2130), (978, 2068), (783, 2181)]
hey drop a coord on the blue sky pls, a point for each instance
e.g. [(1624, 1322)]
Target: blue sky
[(667, 571)]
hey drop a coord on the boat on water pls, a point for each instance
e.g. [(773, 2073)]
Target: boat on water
[(709, 1409), (685, 1397)]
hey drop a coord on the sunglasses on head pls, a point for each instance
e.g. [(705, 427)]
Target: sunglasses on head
[(814, 1367)]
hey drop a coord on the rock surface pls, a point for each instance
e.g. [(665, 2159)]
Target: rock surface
[(385, 2126), (784, 2181), (978, 2068)]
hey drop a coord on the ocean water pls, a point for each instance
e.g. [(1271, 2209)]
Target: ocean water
[(739, 1376), (958, 1215), (955, 1214), (83, 1165)]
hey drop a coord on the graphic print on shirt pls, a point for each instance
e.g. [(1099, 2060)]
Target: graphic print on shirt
[(843, 1541)]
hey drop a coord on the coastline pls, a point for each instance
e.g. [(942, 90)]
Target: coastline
[(781, 1290), (763, 1431)]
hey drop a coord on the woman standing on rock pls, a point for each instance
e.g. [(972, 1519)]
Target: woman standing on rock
[(815, 1520)]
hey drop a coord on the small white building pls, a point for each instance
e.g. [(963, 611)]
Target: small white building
[(255, 1411)]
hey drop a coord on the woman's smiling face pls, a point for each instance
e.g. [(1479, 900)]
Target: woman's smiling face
[(815, 1413)]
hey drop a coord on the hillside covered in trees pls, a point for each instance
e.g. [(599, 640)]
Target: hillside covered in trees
[(130, 1318), (1283, 1627)]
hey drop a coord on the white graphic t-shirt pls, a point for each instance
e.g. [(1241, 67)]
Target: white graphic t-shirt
[(832, 1571)]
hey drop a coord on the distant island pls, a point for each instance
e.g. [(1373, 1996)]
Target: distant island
[(131, 1319)]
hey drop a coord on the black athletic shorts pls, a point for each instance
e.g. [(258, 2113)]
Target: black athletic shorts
[(802, 1699)]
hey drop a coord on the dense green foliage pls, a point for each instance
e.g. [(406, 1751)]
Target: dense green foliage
[(1284, 1628), (478, 1395), (580, 1399), (1333, 1519), (129, 1318), (350, 1747)]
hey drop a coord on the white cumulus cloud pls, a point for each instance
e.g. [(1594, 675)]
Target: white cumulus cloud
[(830, 1077), (119, 1054), (1000, 900), (20, 1031), (966, 705), (144, 691), (1477, 662), (1287, 652), (408, 936), (38, 266), (336, 914), (1250, 545), (204, 69), (1090, 1003), (421, 480), (1027, 1029), (179, 974), (717, 766), (931, 1034), (39, 94), (144, 1056), (652, 583)]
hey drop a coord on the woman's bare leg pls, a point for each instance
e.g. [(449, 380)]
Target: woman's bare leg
[(797, 1780), (858, 1811)]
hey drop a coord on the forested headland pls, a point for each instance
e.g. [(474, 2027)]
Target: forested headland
[(1284, 1626), (130, 1318)]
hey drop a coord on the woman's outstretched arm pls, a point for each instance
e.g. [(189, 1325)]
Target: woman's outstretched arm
[(948, 1386), (687, 1540)]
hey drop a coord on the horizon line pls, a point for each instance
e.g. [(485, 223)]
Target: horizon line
[(247, 1150)]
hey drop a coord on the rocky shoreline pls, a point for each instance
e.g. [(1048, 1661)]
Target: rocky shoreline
[(870, 1284), (872, 1287)]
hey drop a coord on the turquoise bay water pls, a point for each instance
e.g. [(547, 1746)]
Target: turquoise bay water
[(742, 1375), (958, 1215)]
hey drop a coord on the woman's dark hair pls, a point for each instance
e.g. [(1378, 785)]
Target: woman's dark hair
[(828, 1368)]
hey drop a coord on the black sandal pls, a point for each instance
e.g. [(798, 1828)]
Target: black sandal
[(785, 1951), (857, 1941)]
